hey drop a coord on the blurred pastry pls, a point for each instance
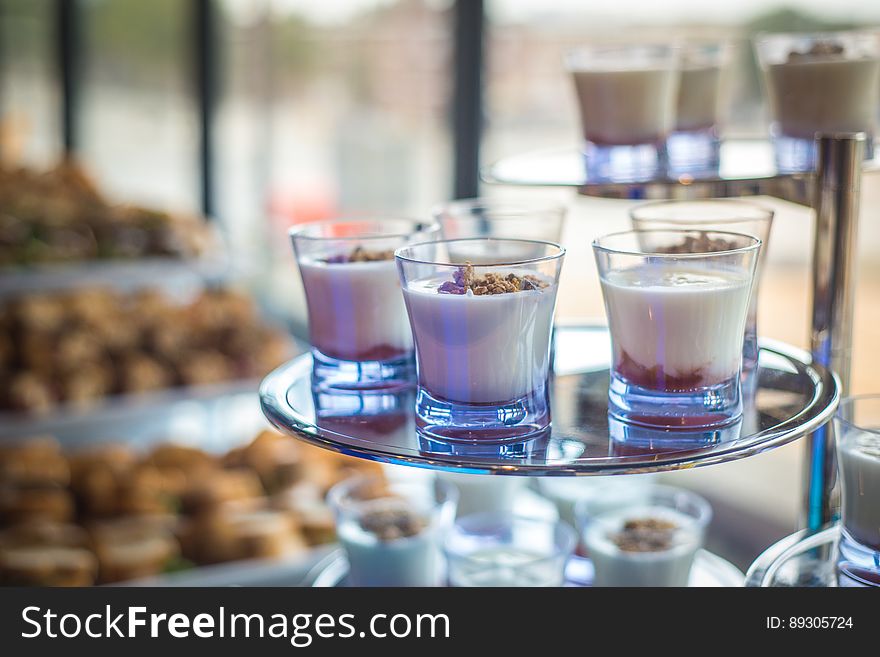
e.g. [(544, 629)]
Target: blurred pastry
[(35, 461), (129, 550), (47, 565), (25, 503)]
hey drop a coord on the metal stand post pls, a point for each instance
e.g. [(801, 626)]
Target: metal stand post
[(836, 202)]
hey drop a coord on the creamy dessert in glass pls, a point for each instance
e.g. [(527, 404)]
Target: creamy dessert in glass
[(627, 97), (694, 144), (677, 324), (357, 321), (819, 83), (647, 542), (482, 335), (392, 532), (857, 430), (482, 493), (500, 549), (728, 215)]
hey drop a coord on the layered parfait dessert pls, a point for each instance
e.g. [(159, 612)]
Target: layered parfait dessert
[(694, 142), (857, 430), (482, 337), (626, 97), (392, 537), (650, 546), (357, 321), (677, 323), (824, 83)]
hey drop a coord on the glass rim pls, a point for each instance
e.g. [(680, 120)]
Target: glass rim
[(754, 246), (702, 505), (762, 212), (301, 232), (510, 209), (816, 34), (398, 255), (442, 492), (576, 57), (558, 526), (849, 403)]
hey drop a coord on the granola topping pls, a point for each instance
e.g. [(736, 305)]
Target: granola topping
[(465, 281), (819, 49), (701, 244), (645, 535), (360, 254), (389, 524)]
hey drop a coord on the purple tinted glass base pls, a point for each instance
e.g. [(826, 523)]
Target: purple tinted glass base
[(693, 151), (858, 562), (332, 374), (633, 163)]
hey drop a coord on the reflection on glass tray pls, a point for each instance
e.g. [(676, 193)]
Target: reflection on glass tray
[(789, 399), (807, 559), (740, 160), (708, 570)]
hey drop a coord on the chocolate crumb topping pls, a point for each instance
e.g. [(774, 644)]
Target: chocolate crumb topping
[(819, 49), (645, 535), (391, 524), (465, 280), (360, 254), (701, 244)]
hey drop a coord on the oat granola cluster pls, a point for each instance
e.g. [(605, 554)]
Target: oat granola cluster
[(819, 49), (465, 280), (360, 254), (390, 524), (645, 535), (701, 244)]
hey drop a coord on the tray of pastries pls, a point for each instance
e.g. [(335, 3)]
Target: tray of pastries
[(110, 513)]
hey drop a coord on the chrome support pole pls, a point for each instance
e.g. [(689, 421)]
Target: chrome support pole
[(836, 202)]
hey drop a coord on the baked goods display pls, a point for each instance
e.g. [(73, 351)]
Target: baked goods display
[(82, 345), (110, 514), (60, 216)]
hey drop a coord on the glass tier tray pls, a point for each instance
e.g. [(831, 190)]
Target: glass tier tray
[(789, 398), (806, 559), (746, 168), (709, 570)]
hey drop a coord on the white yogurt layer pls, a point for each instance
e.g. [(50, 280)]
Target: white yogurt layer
[(616, 567), (625, 106), (356, 309), (688, 321), (480, 349), (824, 94), (859, 457), (407, 561)]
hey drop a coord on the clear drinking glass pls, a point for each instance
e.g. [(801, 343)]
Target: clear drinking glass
[(627, 99), (728, 215), (643, 537), (500, 549), (857, 428), (481, 312), (392, 531), (357, 321), (694, 144), (819, 83), (677, 323), (483, 217)]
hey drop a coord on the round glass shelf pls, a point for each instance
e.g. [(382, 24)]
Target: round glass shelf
[(789, 398), (746, 168), (806, 559)]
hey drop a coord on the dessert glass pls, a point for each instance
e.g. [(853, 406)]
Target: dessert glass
[(483, 217), (482, 493), (627, 97), (729, 215), (822, 83), (357, 321), (482, 336), (499, 549), (694, 144), (677, 323), (857, 428), (644, 538), (392, 531)]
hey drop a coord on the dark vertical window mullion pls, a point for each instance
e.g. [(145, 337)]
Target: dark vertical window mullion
[(205, 78), (467, 101), (68, 56)]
